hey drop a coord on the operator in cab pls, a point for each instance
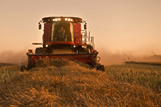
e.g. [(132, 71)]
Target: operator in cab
[(61, 35)]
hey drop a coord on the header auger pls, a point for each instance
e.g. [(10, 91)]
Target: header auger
[(65, 38)]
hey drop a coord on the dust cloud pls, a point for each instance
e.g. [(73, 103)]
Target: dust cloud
[(18, 57), (14, 57), (111, 58), (107, 57), (153, 58)]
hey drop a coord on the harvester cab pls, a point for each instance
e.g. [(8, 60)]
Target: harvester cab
[(65, 38)]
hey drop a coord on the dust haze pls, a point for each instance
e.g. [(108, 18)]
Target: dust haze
[(111, 58), (18, 57), (107, 57), (15, 57)]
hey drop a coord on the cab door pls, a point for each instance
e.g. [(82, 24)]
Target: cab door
[(47, 33), (77, 33)]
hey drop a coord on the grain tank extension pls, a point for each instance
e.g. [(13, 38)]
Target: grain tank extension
[(65, 38)]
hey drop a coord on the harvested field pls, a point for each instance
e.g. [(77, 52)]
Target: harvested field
[(73, 85)]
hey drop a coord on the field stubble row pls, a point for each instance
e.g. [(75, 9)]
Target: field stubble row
[(76, 85)]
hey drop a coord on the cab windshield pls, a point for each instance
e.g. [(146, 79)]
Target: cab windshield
[(62, 31)]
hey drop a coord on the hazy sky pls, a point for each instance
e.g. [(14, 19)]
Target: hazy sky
[(117, 25)]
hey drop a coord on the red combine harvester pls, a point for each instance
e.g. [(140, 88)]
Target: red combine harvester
[(65, 38)]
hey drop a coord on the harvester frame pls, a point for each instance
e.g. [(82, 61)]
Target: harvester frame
[(64, 38)]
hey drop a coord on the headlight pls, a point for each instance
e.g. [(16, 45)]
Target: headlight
[(57, 19)]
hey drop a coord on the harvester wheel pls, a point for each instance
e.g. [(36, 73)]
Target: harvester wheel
[(30, 63), (22, 68), (40, 50), (100, 67), (83, 51)]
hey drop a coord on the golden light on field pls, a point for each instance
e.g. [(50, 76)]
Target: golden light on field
[(127, 36), (117, 25), (74, 84)]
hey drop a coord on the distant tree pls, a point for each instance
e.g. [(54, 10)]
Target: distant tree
[(128, 57)]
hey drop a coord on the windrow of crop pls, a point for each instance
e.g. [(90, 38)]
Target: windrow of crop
[(72, 84)]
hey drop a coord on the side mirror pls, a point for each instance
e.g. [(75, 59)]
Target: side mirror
[(85, 26), (39, 26)]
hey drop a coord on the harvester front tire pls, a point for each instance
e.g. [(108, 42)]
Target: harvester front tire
[(83, 51), (30, 63), (38, 50), (22, 68), (100, 67)]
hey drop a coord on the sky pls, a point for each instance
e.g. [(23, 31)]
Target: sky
[(117, 25)]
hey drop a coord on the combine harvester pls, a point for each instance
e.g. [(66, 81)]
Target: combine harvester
[(65, 38)]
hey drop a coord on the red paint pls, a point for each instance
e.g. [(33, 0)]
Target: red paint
[(77, 33), (60, 43), (47, 33), (87, 58)]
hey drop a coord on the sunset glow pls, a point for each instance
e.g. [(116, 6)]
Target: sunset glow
[(117, 25)]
